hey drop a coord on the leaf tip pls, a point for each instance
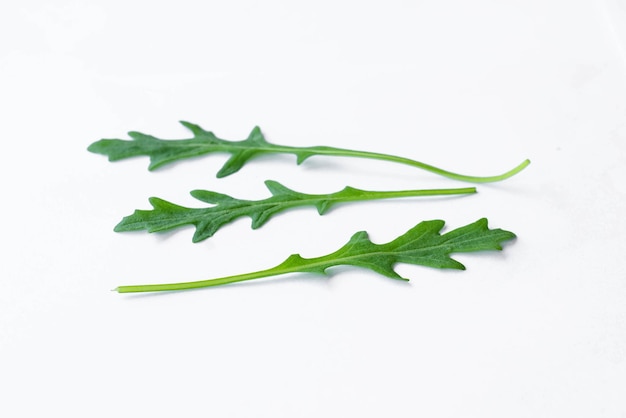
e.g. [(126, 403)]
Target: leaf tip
[(136, 135), (256, 136), (195, 129), (482, 222), (93, 147), (259, 219), (302, 157), (323, 206), (273, 185)]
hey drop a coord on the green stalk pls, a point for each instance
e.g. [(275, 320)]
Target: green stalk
[(340, 152), (275, 271)]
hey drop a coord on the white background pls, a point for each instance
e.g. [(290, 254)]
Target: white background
[(538, 330)]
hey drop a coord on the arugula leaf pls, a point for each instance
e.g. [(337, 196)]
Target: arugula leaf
[(162, 152), (165, 215), (421, 245)]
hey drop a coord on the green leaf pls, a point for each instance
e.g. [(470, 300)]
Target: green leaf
[(163, 151), (165, 215), (421, 245)]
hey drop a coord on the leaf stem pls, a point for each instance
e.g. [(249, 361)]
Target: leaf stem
[(342, 152), (373, 195), (275, 271)]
